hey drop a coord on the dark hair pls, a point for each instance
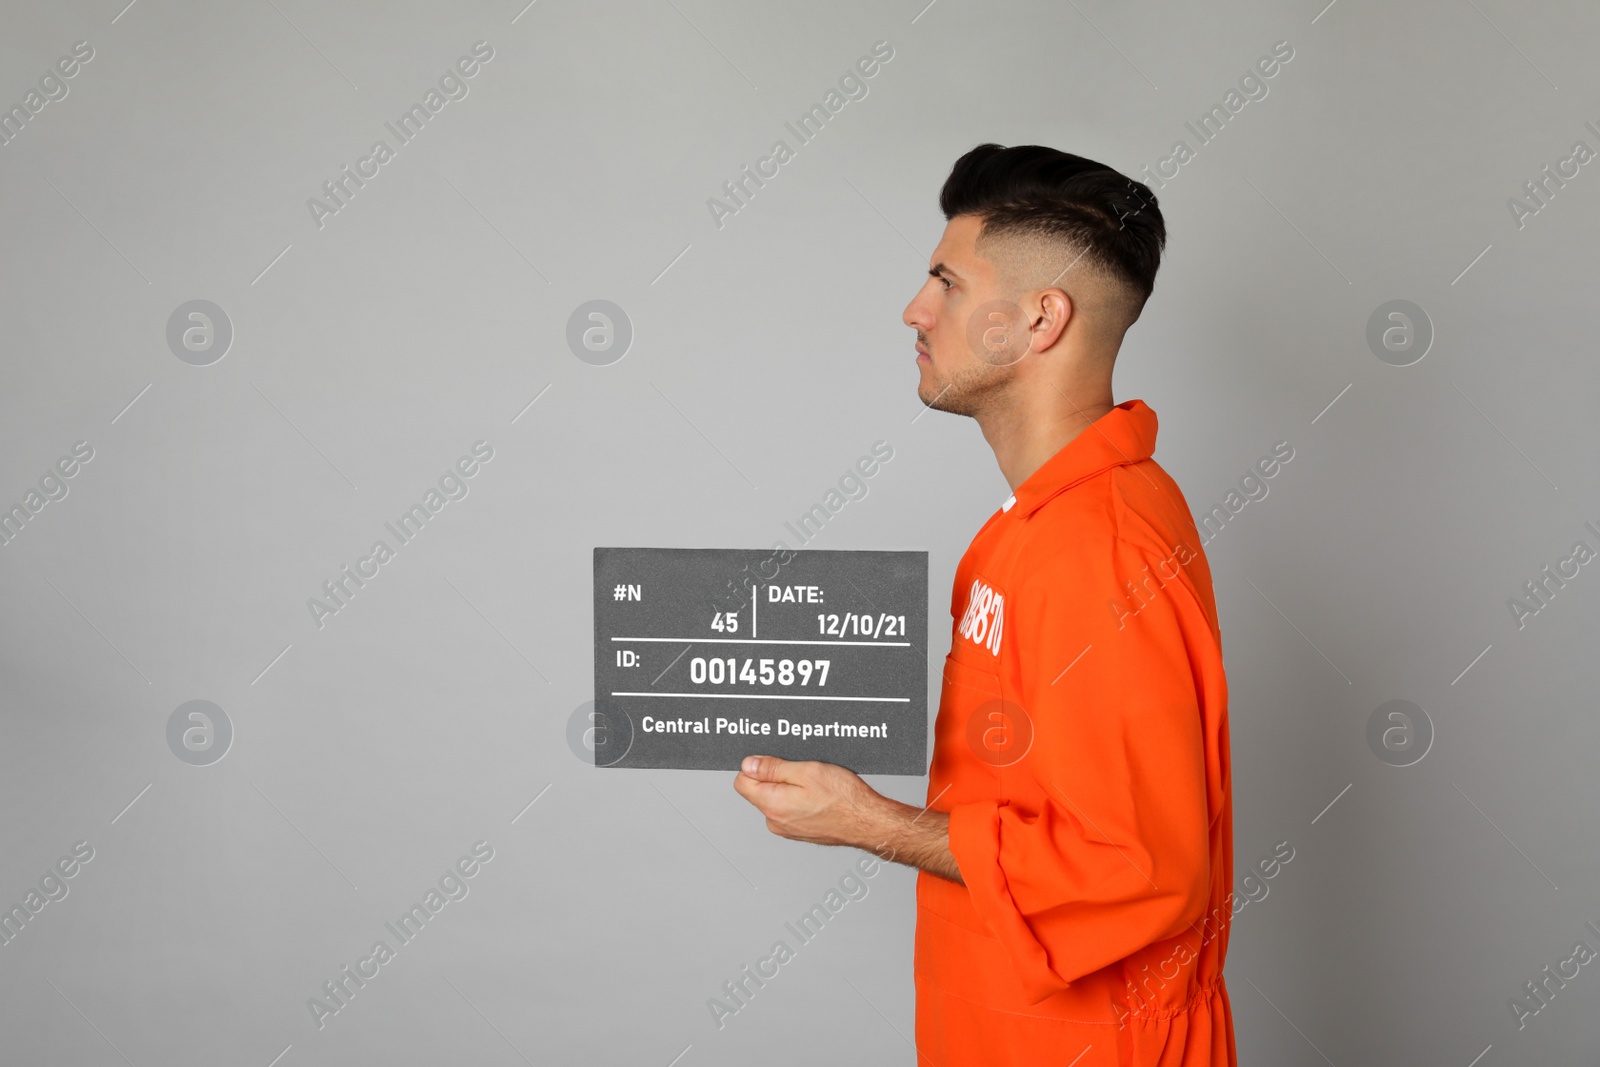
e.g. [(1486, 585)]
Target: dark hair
[(1032, 189)]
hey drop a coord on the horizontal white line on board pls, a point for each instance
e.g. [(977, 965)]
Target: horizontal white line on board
[(764, 696), (763, 641)]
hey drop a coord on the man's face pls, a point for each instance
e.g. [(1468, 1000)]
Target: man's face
[(967, 338)]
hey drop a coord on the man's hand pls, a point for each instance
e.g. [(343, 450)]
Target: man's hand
[(826, 804), (808, 801)]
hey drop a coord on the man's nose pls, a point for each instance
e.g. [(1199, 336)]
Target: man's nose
[(914, 316)]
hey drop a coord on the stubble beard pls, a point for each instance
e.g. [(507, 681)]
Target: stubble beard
[(964, 392)]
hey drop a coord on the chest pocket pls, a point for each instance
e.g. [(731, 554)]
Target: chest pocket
[(968, 695), (981, 681)]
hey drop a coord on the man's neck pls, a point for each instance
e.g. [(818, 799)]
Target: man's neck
[(1039, 422)]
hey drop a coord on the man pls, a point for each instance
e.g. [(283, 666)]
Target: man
[(1076, 851)]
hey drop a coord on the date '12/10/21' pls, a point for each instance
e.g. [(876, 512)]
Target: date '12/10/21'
[(850, 624)]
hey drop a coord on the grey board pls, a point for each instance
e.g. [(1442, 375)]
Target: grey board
[(662, 658)]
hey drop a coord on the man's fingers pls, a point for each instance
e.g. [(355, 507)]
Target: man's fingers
[(745, 786), (757, 792)]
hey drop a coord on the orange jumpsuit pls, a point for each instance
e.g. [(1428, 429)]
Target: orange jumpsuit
[(1081, 750)]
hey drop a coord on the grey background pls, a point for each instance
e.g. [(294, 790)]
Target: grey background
[(767, 355)]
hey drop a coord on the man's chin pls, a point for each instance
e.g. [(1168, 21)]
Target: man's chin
[(937, 397)]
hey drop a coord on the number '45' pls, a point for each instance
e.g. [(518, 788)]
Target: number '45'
[(726, 621)]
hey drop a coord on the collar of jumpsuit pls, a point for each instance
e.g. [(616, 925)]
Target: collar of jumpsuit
[(1081, 752), (1125, 434)]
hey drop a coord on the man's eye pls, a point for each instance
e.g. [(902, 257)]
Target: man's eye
[(946, 283)]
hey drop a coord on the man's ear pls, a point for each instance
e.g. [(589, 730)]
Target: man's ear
[(1052, 309)]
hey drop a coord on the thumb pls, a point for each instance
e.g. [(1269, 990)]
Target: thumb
[(764, 768)]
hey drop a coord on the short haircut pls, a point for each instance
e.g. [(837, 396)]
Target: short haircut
[(1064, 207)]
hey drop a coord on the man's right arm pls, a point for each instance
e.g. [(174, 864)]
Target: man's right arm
[(1118, 856)]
